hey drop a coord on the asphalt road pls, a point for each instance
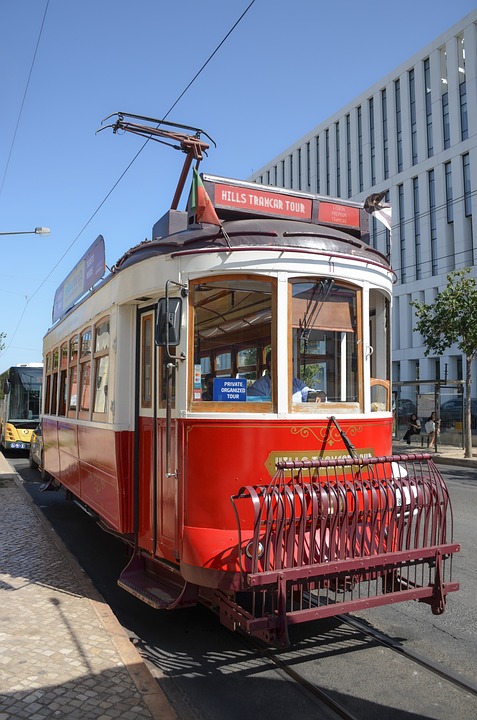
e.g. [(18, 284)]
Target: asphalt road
[(209, 673)]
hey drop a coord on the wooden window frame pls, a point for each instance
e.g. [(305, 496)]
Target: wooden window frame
[(85, 361), (146, 402), (73, 358), (97, 356), (54, 381), (63, 380)]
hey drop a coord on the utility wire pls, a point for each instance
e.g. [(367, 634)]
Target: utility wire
[(124, 171), (24, 96)]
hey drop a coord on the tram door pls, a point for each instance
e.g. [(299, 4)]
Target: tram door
[(156, 446)]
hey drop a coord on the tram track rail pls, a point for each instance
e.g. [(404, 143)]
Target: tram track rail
[(431, 665), (325, 697)]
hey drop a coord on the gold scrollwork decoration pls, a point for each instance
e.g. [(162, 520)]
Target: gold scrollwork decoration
[(327, 434)]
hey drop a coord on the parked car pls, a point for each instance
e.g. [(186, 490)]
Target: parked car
[(452, 412), (405, 408), (35, 456)]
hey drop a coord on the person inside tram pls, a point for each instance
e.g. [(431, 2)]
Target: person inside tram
[(263, 386), (208, 393)]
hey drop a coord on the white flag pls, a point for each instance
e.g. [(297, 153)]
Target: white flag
[(381, 210), (384, 213)]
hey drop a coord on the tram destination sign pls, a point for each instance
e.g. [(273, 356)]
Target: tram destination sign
[(251, 198), (262, 201), (84, 275)]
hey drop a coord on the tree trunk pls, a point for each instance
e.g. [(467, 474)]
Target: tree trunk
[(468, 407)]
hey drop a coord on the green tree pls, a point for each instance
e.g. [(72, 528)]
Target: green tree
[(452, 318)]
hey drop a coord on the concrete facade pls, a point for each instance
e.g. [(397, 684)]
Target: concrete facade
[(413, 135)]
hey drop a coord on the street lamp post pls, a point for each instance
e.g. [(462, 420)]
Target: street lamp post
[(36, 231)]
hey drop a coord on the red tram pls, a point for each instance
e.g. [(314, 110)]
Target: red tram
[(221, 401)]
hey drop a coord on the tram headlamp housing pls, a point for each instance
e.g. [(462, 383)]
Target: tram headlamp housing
[(249, 548)]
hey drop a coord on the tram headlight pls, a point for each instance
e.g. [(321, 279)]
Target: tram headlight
[(249, 548)]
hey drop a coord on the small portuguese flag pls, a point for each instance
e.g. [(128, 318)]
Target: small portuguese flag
[(200, 203)]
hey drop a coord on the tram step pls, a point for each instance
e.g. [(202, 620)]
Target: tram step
[(159, 594)]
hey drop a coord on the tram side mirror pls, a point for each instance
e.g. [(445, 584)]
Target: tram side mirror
[(168, 327), (6, 386)]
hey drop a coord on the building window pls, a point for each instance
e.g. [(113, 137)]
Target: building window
[(283, 173), (464, 122), (412, 110), (348, 154), (397, 95), (317, 164), (360, 150), (449, 196), (327, 160), (417, 228), (428, 100), (444, 98), (384, 110), (402, 232), (445, 120), (433, 220), (291, 169), (308, 174), (372, 141), (467, 185), (338, 160), (374, 233)]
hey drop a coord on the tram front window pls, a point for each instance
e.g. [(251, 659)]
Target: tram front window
[(232, 334), (324, 345), (236, 336)]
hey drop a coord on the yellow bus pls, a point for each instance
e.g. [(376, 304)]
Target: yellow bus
[(21, 386)]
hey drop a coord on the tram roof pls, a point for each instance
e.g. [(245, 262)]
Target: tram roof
[(257, 233), (255, 217), (260, 216)]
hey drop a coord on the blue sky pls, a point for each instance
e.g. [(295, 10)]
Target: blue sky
[(65, 66)]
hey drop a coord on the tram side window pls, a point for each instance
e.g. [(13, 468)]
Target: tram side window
[(232, 326), (47, 384), (73, 380), (101, 367), (63, 375), (54, 382), (146, 361), (379, 351), (85, 373), (325, 322)]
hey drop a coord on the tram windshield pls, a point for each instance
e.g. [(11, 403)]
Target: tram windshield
[(324, 340), (299, 343)]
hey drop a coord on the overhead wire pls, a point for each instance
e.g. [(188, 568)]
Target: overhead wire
[(24, 97), (133, 160)]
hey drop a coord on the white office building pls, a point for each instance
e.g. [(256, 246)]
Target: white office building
[(413, 135)]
